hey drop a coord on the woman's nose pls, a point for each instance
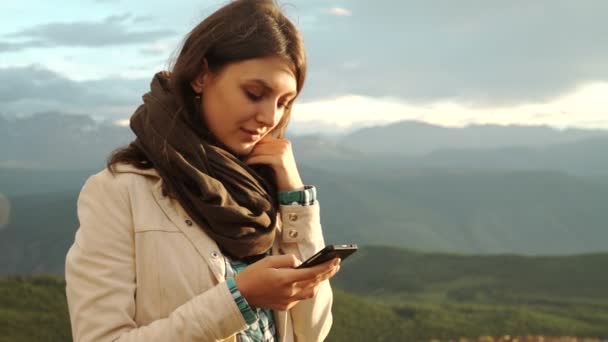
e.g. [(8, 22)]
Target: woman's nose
[(268, 114)]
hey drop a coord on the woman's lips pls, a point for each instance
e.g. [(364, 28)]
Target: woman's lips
[(251, 136)]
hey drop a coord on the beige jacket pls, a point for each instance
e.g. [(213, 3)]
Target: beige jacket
[(141, 270)]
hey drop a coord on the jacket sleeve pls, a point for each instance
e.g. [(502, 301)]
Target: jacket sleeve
[(101, 284), (302, 236)]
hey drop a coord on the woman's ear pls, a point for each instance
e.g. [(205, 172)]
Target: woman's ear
[(199, 82)]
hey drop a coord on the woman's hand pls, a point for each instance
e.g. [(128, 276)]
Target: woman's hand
[(274, 282), (279, 155)]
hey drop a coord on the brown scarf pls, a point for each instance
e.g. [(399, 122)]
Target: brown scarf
[(232, 202)]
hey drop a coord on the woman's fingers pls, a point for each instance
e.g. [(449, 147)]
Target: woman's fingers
[(309, 282), (309, 289), (271, 147), (261, 159), (282, 261), (311, 273), (320, 278), (265, 154), (278, 154)]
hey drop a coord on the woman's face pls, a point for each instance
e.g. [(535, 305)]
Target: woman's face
[(245, 100)]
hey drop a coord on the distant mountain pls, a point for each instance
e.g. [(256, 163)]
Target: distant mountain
[(411, 138), (464, 211), (5, 209), (326, 153), (529, 199), (31, 181), (588, 157), (61, 141), (482, 212), (58, 141)]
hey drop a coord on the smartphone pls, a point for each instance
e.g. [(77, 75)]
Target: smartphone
[(328, 253)]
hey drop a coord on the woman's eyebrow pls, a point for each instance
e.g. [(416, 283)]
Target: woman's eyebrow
[(268, 87)]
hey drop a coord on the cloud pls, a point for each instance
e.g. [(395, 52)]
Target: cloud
[(31, 89), (34, 82), (476, 55), (15, 47), (142, 19), (476, 52), (119, 18), (340, 12), (158, 48), (113, 30), (585, 107)]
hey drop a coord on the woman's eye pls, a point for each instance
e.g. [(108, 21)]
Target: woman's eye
[(253, 97)]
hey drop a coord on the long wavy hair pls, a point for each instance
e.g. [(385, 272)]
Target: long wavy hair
[(240, 30)]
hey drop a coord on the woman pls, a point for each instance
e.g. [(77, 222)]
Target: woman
[(194, 231)]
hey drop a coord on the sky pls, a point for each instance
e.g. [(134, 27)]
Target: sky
[(450, 63)]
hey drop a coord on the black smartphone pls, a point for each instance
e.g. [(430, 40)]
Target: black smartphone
[(328, 253)]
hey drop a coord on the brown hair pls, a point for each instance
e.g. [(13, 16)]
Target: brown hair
[(241, 30)]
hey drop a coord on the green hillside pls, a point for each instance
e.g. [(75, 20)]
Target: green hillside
[(33, 309), (390, 272), (446, 295), (361, 319), (388, 294)]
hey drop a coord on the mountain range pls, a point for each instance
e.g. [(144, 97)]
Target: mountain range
[(60, 141), (542, 197)]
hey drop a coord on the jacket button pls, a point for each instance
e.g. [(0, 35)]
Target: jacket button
[(189, 222), (292, 216), (293, 234)]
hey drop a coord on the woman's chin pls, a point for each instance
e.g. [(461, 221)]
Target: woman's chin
[(242, 150)]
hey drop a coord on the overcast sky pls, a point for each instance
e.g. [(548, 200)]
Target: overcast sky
[(444, 62)]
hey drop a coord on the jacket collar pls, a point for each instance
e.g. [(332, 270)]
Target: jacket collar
[(128, 168)]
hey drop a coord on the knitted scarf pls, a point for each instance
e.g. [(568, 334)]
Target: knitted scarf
[(232, 202)]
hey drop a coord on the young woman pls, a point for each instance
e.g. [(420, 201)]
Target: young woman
[(194, 231)]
